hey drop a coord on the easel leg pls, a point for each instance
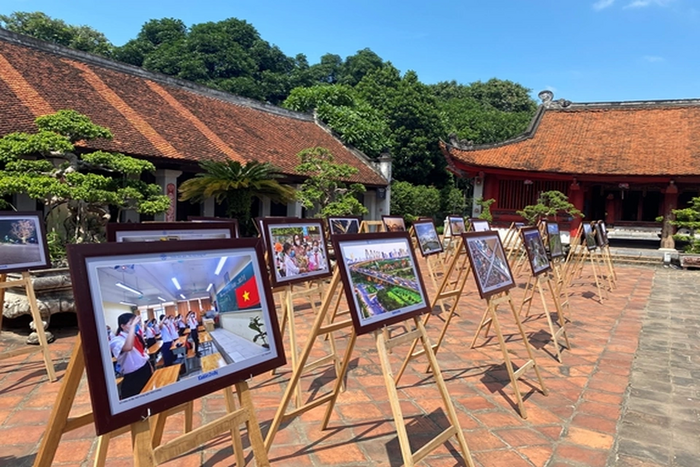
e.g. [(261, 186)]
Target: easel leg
[(235, 430), (59, 414), (254, 434), (552, 332), (340, 381), (394, 401), (485, 322), (527, 344), (39, 325), (560, 312), (446, 398), (141, 439)]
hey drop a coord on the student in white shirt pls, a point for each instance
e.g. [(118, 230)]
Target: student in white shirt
[(167, 335), (181, 326), (129, 349), (194, 334), (149, 334)]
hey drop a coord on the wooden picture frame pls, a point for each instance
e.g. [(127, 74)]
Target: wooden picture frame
[(601, 234), (216, 219), (589, 237), (343, 225), (488, 261), (284, 254), (479, 225), (373, 287), (147, 268), (536, 253), (394, 223), (556, 250), (428, 238), (23, 242), (457, 225), (167, 231)]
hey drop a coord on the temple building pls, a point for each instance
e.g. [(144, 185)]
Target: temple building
[(627, 163), (173, 123)]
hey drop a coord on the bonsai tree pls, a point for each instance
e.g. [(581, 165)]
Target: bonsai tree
[(326, 188), (485, 205), (78, 187), (688, 218), (549, 203), (256, 325), (237, 184)]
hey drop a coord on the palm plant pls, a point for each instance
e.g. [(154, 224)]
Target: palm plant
[(237, 184)]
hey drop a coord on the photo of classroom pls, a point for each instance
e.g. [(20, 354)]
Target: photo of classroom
[(170, 321)]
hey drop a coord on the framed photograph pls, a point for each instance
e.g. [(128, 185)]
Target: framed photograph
[(457, 225), (296, 250), (22, 242), (536, 252), (118, 280), (479, 225), (519, 225), (167, 231), (488, 261), (394, 223), (344, 225), (428, 239), (601, 236), (215, 219), (589, 236), (381, 279), (554, 240)]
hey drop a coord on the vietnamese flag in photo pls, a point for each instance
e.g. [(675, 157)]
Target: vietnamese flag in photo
[(247, 294)]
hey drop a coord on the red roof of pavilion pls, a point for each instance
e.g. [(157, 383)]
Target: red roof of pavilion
[(153, 115), (625, 138)]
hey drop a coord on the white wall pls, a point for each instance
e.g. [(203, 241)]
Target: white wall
[(237, 323)]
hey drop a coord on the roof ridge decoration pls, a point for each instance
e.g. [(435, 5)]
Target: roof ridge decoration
[(96, 60)]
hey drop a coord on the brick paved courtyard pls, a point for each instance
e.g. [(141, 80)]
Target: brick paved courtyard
[(591, 417)]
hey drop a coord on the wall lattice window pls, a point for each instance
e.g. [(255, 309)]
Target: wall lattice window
[(516, 194)]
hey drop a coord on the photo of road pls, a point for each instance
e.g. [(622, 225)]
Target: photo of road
[(383, 277), (427, 238), (535, 249), (554, 240), (489, 264)]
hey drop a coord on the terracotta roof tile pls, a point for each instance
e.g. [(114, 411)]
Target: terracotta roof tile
[(652, 138), (156, 116)]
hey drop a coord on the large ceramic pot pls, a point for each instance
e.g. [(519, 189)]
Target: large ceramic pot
[(54, 294)]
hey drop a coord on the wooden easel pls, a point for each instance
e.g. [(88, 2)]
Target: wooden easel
[(535, 286), (26, 282), (288, 315), (580, 263), (490, 318), (323, 326), (451, 288), (366, 226), (144, 436)]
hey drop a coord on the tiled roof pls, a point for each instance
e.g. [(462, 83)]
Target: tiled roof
[(626, 138), (153, 115)]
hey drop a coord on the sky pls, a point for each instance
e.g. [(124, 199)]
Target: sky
[(582, 50)]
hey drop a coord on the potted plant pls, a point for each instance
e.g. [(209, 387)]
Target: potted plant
[(79, 189), (549, 205), (688, 222), (257, 326)]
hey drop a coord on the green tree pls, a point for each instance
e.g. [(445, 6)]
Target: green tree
[(341, 108), (689, 219), (414, 120), (236, 184), (77, 187), (413, 201), (326, 189), (228, 55), (485, 205), (41, 26), (549, 203)]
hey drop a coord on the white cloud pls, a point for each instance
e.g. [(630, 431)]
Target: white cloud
[(653, 58), (646, 3), (602, 4)]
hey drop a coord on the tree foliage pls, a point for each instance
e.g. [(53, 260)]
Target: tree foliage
[(236, 184), (688, 219), (413, 201), (326, 189), (340, 107), (549, 203), (77, 187), (41, 26)]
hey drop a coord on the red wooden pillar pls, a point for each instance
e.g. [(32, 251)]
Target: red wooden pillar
[(670, 203), (610, 209), (576, 198)]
